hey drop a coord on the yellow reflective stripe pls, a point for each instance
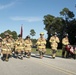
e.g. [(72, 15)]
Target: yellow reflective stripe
[(4, 49)]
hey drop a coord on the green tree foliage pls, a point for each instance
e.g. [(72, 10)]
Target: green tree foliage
[(2, 35), (64, 12), (8, 31), (67, 13), (67, 23), (71, 29), (13, 33), (32, 32), (48, 21), (52, 25), (67, 16)]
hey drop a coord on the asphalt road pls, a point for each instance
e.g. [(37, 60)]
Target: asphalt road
[(36, 66)]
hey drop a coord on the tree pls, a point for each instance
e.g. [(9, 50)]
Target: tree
[(2, 35), (69, 24), (8, 31), (32, 32), (14, 33), (52, 25), (68, 15), (48, 22), (72, 31)]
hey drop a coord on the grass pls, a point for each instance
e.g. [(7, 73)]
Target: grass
[(49, 52)]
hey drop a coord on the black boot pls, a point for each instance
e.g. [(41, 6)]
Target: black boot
[(4, 57), (53, 57)]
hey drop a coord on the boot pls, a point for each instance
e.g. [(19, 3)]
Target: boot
[(21, 57), (4, 57), (7, 57), (28, 54), (41, 57)]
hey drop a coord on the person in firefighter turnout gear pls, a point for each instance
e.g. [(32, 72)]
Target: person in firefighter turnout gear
[(54, 40), (28, 47), (0, 47), (41, 45), (65, 42), (6, 48), (12, 44), (19, 47)]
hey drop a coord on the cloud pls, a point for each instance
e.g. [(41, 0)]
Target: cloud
[(6, 5), (28, 19)]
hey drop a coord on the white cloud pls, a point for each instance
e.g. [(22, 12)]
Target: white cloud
[(6, 5), (28, 19)]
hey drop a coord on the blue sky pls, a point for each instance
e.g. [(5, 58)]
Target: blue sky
[(30, 13)]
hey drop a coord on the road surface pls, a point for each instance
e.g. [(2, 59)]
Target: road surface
[(36, 66)]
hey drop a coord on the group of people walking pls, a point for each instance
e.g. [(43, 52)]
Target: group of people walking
[(20, 47), (67, 49)]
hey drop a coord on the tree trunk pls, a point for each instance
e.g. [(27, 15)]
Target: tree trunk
[(48, 38)]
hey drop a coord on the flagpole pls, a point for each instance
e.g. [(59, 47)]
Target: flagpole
[(21, 32)]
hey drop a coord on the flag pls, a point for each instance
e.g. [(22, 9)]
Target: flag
[(21, 32)]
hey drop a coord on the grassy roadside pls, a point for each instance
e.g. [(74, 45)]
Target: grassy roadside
[(49, 52)]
